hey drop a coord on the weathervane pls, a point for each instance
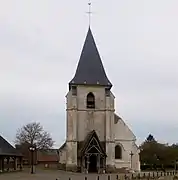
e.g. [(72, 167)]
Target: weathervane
[(89, 12)]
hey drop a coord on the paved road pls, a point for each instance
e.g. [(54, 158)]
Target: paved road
[(52, 175), (60, 175)]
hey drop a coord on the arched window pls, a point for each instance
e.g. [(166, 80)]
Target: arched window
[(118, 152), (90, 101)]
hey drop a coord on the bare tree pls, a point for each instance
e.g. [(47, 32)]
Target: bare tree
[(34, 134)]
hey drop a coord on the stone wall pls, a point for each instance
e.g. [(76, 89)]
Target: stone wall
[(80, 121), (88, 119)]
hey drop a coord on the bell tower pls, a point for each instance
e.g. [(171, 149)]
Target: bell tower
[(90, 114)]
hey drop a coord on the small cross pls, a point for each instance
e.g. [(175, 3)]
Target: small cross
[(89, 12), (131, 154)]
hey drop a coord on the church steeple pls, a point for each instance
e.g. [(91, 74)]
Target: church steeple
[(90, 70)]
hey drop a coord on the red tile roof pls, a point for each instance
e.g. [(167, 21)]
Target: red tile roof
[(47, 157)]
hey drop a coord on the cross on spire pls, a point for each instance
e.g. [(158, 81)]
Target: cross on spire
[(89, 12)]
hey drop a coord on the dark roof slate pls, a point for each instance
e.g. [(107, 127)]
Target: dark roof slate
[(7, 149), (90, 70)]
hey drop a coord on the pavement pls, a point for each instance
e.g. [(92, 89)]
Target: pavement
[(59, 175), (53, 175)]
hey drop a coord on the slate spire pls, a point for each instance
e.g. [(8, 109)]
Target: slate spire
[(90, 70)]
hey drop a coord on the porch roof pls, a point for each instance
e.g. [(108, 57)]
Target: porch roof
[(6, 149)]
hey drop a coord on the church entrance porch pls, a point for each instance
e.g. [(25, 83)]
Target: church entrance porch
[(94, 163), (93, 155)]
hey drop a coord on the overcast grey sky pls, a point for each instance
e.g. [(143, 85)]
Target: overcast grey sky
[(40, 45)]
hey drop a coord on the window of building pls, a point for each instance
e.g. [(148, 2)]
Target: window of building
[(90, 101), (74, 90), (118, 152), (107, 92)]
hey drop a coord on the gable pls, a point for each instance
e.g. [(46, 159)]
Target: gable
[(122, 131), (92, 144)]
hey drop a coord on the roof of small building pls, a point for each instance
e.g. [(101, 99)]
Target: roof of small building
[(7, 149), (90, 70), (47, 156)]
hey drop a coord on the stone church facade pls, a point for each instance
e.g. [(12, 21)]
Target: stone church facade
[(97, 139)]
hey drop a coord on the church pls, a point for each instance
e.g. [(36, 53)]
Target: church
[(97, 139)]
